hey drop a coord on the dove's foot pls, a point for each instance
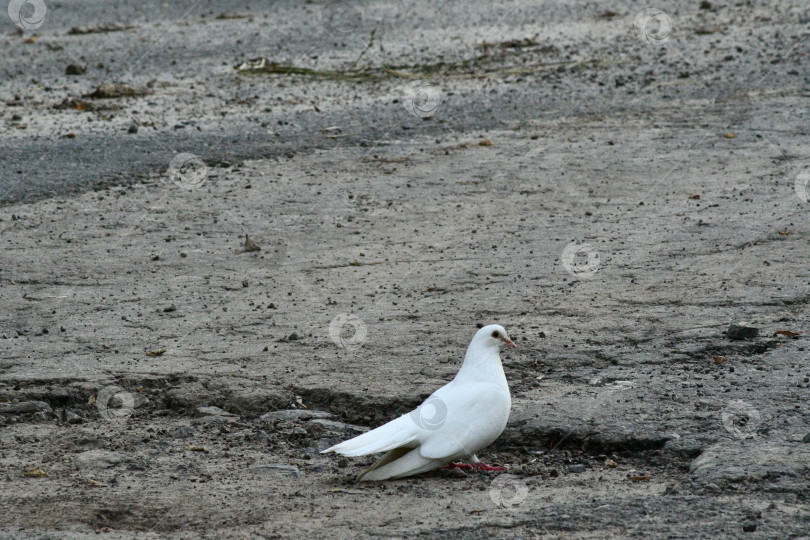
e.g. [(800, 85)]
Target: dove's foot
[(458, 466), (481, 466)]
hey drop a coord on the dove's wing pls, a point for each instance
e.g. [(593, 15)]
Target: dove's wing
[(477, 414)]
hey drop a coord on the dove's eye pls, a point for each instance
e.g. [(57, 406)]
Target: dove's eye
[(495, 334)]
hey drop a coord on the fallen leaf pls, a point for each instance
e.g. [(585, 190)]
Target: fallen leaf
[(92, 400), (197, 448), (485, 142), (785, 232), (158, 352), (719, 359), (36, 472), (31, 39), (694, 197), (640, 477), (610, 463), (786, 333), (729, 135)]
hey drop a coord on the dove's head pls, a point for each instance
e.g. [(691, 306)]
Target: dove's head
[(492, 336)]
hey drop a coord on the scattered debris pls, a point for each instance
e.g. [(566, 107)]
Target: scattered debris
[(610, 463), (99, 29), (36, 472), (157, 352), (719, 359), (276, 468), (249, 246), (117, 90), (640, 477), (194, 448), (72, 103), (786, 333)]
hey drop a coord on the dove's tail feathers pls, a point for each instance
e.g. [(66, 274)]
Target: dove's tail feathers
[(400, 432), (398, 463), (391, 455)]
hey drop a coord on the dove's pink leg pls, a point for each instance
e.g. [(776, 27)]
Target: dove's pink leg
[(484, 467), (458, 466)]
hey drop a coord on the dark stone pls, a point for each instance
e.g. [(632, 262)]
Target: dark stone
[(294, 415), (74, 69), (25, 407), (211, 411), (276, 468), (72, 418), (739, 331), (182, 432)]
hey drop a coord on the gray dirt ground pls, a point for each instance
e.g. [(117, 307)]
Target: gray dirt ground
[(684, 164)]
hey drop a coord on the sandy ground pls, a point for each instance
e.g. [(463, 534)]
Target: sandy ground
[(616, 199)]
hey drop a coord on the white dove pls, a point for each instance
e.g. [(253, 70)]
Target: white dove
[(459, 419)]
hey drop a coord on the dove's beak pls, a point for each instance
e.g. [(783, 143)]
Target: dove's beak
[(509, 342)]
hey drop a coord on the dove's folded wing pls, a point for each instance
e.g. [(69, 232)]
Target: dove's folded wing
[(477, 414)]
